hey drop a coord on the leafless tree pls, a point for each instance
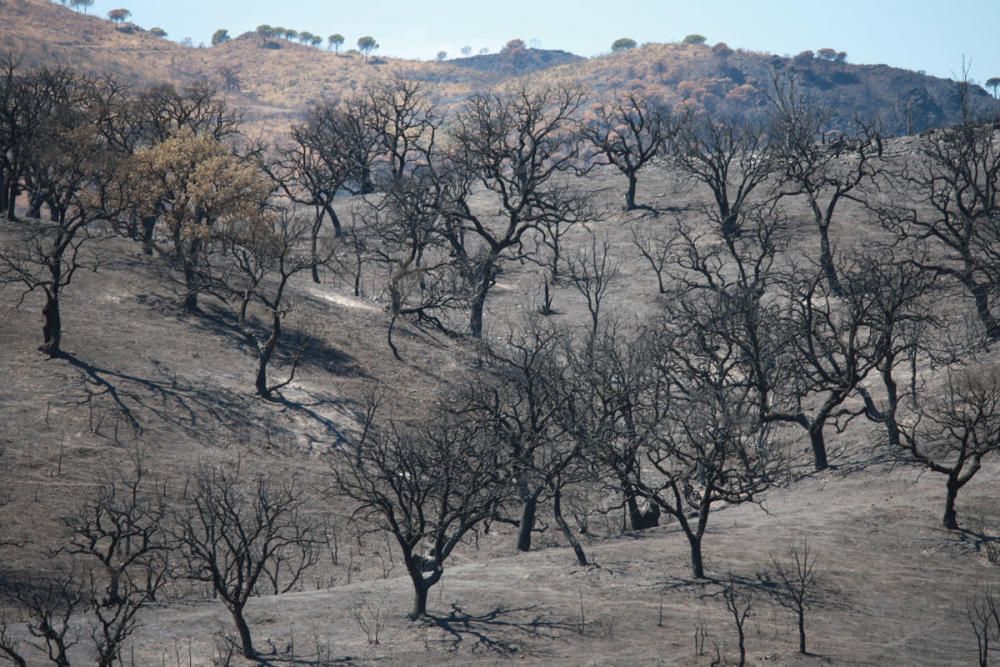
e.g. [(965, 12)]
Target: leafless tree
[(122, 529), (739, 605), (311, 174), (710, 442), (622, 397), (733, 159), (428, 485), (405, 120), (948, 199), (984, 618), (797, 580), (409, 237), (825, 175), (950, 433), (628, 133), (50, 606), (234, 530), (522, 403), (79, 170), (591, 272), (515, 146), (264, 253)]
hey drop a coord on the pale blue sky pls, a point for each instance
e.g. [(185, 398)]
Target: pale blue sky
[(930, 35)]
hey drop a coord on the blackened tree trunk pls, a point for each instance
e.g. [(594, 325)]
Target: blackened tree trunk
[(52, 324), (826, 261), (148, 227), (264, 354), (419, 600), (12, 192), (950, 514), (981, 295), (818, 443), (633, 182), (528, 511), (697, 563), (246, 642)]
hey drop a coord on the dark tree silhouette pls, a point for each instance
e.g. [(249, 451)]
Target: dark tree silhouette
[(232, 532), (428, 485), (628, 133)]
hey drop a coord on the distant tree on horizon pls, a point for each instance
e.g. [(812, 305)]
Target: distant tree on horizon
[(366, 45), (827, 54), (483, 51), (290, 34), (220, 36), (623, 44), (157, 32), (77, 4), (513, 45), (695, 38), (993, 83), (335, 40), (265, 31), (118, 16), (316, 40), (441, 56), (305, 37), (466, 51)]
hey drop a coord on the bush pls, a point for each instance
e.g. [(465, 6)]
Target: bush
[(695, 38)]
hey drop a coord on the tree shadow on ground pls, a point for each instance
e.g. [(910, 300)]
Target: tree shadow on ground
[(192, 409), (312, 350), (498, 631)]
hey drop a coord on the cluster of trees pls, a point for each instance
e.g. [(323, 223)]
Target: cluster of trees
[(366, 44), (753, 344), (831, 55)]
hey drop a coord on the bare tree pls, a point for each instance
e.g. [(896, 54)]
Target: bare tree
[(797, 580), (591, 272), (522, 403), (79, 170), (710, 442), (628, 133), (122, 529), (739, 606), (50, 605), (825, 175), (948, 200), (428, 485), (410, 238), (264, 253), (732, 158), (514, 145), (984, 618), (234, 530), (404, 118), (952, 432)]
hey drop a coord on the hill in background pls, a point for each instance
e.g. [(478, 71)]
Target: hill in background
[(274, 85)]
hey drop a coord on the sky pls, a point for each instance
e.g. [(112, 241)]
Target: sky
[(929, 35)]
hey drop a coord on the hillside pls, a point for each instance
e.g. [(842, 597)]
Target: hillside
[(892, 583), (274, 85)]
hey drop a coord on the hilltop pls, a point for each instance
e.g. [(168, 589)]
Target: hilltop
[(274, 85)]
